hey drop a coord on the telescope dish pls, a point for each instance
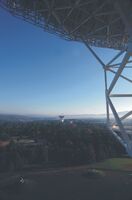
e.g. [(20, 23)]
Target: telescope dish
[(61, 118), (96, 22), (99, 23)]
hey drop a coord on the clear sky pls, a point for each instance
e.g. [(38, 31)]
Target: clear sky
[(43, 74)]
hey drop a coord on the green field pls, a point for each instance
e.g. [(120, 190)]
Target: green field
[(124, 164)]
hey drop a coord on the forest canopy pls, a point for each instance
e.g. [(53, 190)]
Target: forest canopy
[(43, 143)]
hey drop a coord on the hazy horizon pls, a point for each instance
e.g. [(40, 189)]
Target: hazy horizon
[(57, 114)]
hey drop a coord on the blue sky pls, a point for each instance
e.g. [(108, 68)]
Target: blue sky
[(43, 74)]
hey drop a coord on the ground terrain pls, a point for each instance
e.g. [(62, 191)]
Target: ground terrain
[(73, 183)]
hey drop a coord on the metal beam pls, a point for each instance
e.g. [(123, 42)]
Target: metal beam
[(124, 139), (123, 8), (117, 64), (88, 18), (122, 66), (95, 55), (122, 130), (122, 76), (126, 115), (113, 59), (120, 95), (107, 103)]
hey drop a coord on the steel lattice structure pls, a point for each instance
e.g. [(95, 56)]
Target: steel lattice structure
[(95, 21), (100, 23)]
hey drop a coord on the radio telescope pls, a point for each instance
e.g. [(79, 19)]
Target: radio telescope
[(61, 117), (98, 23)]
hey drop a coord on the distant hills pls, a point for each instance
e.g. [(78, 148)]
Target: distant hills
[(13, 117), (94, 116), (26, 118)]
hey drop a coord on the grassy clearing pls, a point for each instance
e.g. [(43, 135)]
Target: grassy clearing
[(124, 164)]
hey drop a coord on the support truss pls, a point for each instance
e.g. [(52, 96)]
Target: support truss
[(120, 131)]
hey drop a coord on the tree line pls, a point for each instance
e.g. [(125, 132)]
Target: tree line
[(65, 143)]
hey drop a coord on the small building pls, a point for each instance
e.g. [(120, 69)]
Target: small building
[(4, 143)]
